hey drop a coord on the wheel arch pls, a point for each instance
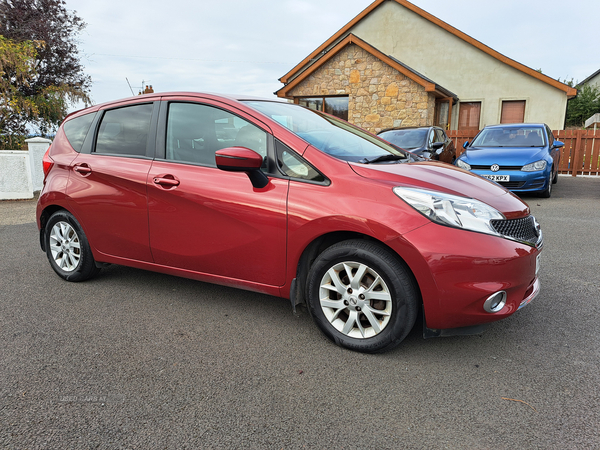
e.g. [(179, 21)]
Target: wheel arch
[(320, 244), (43, 220)]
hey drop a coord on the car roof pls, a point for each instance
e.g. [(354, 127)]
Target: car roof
[(406, 128), (157, 95), (516, 125)]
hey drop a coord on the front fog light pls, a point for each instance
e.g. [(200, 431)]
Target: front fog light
[(495, 302)]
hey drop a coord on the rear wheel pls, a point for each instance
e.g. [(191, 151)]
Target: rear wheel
[(555, 178), (361, 296), (67, 248)]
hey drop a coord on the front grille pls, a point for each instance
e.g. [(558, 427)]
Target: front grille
[(475, 167), (523, 229)]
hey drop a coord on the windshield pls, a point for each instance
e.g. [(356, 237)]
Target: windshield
[(329, 134), (526, 136), (408, 139)]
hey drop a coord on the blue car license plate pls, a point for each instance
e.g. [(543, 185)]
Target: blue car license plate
[(497, 177)]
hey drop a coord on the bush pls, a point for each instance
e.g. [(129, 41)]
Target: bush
[(584, 106), (13, 142)]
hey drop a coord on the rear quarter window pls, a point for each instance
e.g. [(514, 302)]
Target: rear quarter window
[(77, 129)]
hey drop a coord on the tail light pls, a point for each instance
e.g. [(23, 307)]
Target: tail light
[(47, 163)]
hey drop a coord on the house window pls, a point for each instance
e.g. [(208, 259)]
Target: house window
[(513, 111), (336, 106), (468, 116)]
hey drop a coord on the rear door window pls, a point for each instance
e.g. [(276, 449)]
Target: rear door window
[(124, 131)]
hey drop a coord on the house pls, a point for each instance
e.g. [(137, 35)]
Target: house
[(592, 80), (397, 65)]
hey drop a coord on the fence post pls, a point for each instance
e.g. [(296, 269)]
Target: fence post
[(577, 156), (37, 147)]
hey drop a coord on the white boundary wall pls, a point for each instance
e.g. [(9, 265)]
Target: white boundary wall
[(21, 171)]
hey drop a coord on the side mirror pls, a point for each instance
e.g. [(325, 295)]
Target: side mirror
[(558, 144), (242, 159), (466, 144), (438, 148)]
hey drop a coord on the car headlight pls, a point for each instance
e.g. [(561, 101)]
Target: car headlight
[(535, 166), (451, 210), (463, 165)]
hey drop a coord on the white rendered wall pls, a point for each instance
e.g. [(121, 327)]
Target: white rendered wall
[(21, 171), (15, 175)]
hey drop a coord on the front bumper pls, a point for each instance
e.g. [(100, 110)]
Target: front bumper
[(520, 181), (457, 270)]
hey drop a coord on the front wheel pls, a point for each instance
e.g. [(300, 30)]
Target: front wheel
[(362, 296), (67, 248), (546, 193)]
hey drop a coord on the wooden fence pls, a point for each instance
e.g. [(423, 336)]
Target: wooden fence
[(579, 156)]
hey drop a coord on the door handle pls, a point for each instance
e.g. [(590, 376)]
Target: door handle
[(82, 169), (168, 182)]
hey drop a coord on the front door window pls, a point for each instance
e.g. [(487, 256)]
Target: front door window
[(195, 132)]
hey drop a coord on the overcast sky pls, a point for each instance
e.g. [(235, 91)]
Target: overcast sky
[(245, 46)]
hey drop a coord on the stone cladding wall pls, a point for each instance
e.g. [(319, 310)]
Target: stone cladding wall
[(380, 97)]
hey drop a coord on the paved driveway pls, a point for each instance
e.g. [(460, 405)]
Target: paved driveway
[(134, 359)]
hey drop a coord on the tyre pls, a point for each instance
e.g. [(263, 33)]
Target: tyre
[(555, 178), (67, 248), (362, 296), (546, 193)]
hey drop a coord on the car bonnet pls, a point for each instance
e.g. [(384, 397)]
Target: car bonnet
[(445, 178), (505, 156)]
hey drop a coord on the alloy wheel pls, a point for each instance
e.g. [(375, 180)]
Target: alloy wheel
[(355, 300), (65, 246)]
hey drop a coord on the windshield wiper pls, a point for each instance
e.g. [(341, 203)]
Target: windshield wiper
[(386, 157)]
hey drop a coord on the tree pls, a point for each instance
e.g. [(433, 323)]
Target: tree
[(17, 69), (57, 78), (585, 105), (17, 73)]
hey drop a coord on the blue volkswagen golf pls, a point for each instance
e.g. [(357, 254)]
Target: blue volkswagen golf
[(521, 157)]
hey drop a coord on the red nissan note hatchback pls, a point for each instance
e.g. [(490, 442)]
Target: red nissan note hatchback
[(279, 199)]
